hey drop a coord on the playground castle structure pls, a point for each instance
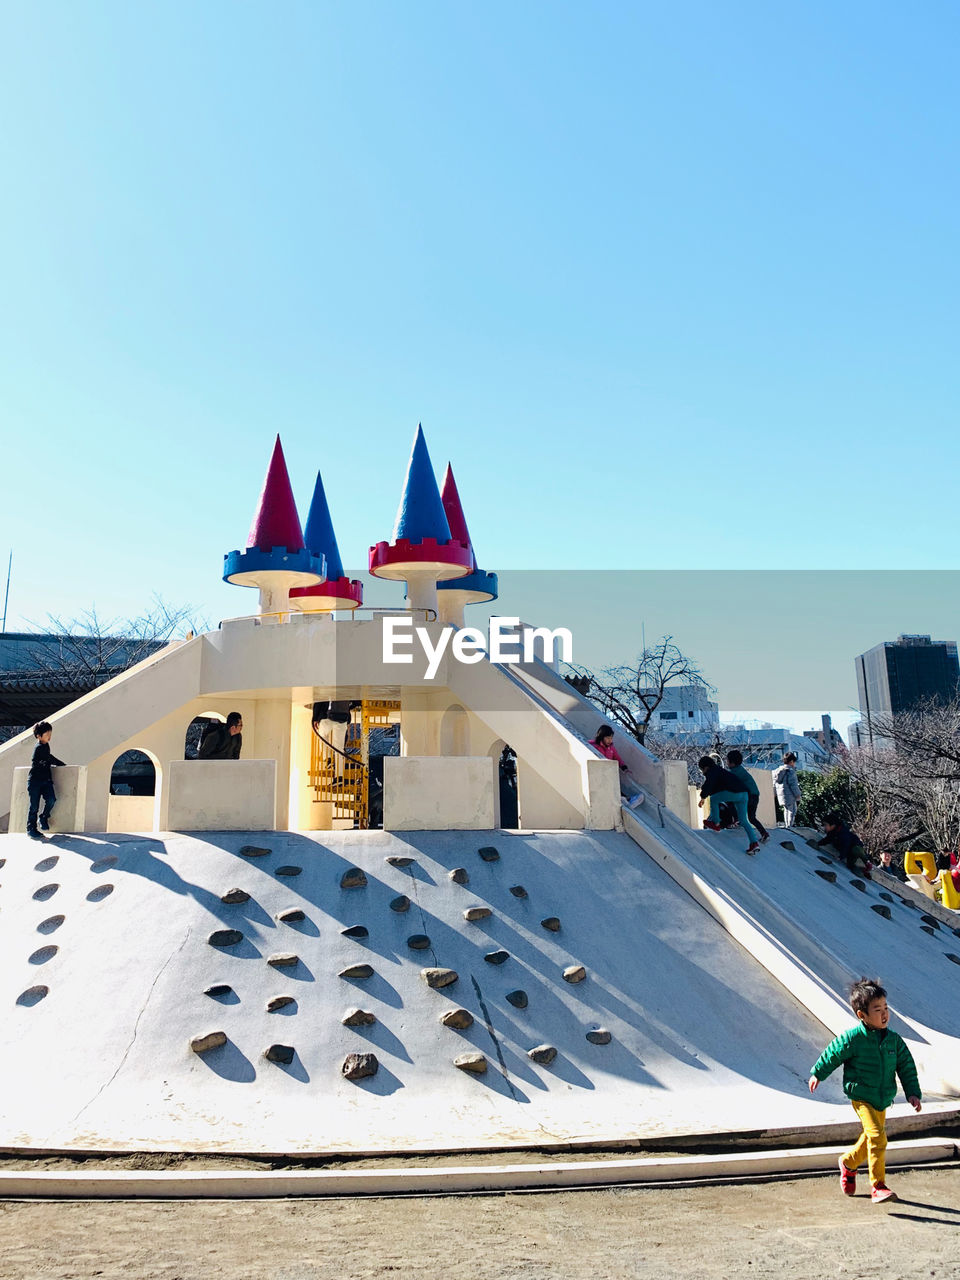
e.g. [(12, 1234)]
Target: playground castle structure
[(244, 961)]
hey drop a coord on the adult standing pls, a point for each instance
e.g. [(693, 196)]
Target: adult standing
[(330, 720), (787, 786), (223, 741)]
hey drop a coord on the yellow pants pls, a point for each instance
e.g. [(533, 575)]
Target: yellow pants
[(872, 1142)]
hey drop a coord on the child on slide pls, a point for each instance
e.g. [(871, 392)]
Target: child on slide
[(628, 788)]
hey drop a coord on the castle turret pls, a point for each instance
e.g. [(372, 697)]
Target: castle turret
[(275, 558), (478, 586), (338, 591), (422, 551)]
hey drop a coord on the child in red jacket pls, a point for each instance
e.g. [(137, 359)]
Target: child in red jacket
[(628, 788)]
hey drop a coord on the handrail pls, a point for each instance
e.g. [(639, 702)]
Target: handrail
[(284, 615), (354, 760)]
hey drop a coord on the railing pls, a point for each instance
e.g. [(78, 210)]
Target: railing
[(282, 616), (341, 778)]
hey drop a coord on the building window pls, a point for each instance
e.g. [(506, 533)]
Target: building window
[(668, 715)]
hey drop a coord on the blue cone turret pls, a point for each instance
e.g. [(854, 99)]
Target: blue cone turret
[(420, 514), (319, 535), (337, 592)]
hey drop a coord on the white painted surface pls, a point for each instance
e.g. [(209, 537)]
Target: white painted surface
[(438, 793), (70, 788), (703, 1039), (222, 795), (816, 938), (132, 813), (766, 809)]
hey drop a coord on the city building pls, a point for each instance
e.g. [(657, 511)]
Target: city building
[(764, 748), (899, 675), (826, 735), (685, 708)]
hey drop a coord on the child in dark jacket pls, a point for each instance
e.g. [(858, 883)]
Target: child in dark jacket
[(846, 843), (735, 766), (873, 1057), (40, 781), (721, 787)]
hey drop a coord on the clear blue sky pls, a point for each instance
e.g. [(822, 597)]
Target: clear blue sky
[(674, 286)]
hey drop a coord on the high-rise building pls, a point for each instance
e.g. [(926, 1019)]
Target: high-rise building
[(900, 674)]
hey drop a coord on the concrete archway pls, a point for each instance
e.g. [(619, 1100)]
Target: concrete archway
[(507, 794), (455, 732), (195, 730), (133, 803)]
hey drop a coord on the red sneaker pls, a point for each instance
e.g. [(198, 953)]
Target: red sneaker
[(711, 826), (754, 847), (848, 1179), (880, 1192)]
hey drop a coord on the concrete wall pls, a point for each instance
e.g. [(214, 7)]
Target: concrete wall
[(221, 795), (162, 741), (439, 793), (765, 809), (132, 813), (70, 786)]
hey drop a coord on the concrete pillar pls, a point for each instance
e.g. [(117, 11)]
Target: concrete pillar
[(304, 814), (422, 592), (70, 785), (271, 741), (419, 723)]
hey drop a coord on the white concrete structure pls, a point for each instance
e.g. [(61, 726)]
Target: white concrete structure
[(717, 998), (222, 795), (70, 786), (272, 674), (439, 793)]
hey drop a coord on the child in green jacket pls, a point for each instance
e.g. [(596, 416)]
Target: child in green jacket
[(873, 1057)]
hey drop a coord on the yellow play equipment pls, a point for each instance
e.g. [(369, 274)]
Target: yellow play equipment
[(921, 867), (949, 893), (920, 862)]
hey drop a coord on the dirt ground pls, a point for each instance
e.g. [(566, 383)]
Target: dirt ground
[(799, 1228)]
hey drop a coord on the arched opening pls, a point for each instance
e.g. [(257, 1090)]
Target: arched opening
[(133, 774), (508, 793), (134, 792), (454, 732), (196, 729)]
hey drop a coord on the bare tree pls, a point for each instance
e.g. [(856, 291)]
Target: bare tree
[(87, 650), (630, 694), (690, 747), (912, 780)]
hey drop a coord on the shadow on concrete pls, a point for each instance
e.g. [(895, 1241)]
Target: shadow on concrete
[(229, 1063), (382, 1084), (381, 1037)]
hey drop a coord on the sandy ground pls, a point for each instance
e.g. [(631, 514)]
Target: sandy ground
[(801, 1228)]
